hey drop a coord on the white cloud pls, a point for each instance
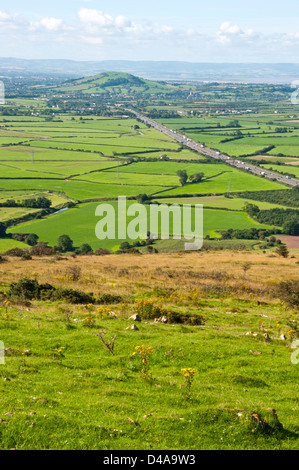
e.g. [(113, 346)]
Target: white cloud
[(95, 17), (122, 22), (97, 27), (143, 38), (228, 28), (222, 39), (51, 24), (232, 33), (4, 17), (12, 21)]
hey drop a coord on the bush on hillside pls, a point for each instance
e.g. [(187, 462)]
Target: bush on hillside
[(17, 252), (30, 289), (288, 291)]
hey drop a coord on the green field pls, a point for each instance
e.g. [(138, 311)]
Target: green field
[(7, 213), (220, 202), (79, 223), (80, 190), (228, 181), (7, 244), (292, 169)]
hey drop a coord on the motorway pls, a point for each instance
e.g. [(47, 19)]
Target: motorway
[(213, 154)]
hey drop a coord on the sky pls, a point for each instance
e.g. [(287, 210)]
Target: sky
[(177, 30)]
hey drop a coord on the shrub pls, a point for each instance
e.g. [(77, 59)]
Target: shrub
[(108, 299), (16, 252), (42, 249), (72, 296), (102, 252), (148, 310), (65, 243), (2, 230), (30, 289), (26, 257), (32, 239), (73, 273), (184, 318), (282, 251), (25, 289), (288, 291), (84, 249)]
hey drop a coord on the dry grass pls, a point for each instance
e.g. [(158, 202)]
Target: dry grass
[(129, 274)]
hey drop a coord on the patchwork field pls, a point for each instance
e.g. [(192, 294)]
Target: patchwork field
[(93, 159), (243, 135)]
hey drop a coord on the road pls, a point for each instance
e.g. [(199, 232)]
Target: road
[(213, 154)]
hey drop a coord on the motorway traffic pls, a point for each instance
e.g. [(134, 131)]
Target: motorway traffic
[(217, 155)]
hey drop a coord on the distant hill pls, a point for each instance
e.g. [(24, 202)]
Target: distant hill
[(114, 83), (156, 70)]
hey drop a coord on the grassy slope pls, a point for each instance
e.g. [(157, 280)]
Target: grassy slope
[(104, 83), (85, 401), (7, 244)]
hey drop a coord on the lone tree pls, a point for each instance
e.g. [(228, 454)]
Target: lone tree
[(142, 198), (65, 243), (2, 230), (282, 251), (32, 239), (196, 178), (85, 249), (182, 174)]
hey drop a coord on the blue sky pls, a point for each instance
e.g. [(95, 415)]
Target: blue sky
[(191, 30)]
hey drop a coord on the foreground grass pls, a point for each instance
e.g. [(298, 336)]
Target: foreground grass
[(89, 399)]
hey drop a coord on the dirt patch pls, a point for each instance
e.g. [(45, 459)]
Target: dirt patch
[(292, 242)]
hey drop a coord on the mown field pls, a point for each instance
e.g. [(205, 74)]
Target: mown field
[(62, 389)]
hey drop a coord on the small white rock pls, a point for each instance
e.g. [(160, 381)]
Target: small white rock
[(134, 328), (135, 317)]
